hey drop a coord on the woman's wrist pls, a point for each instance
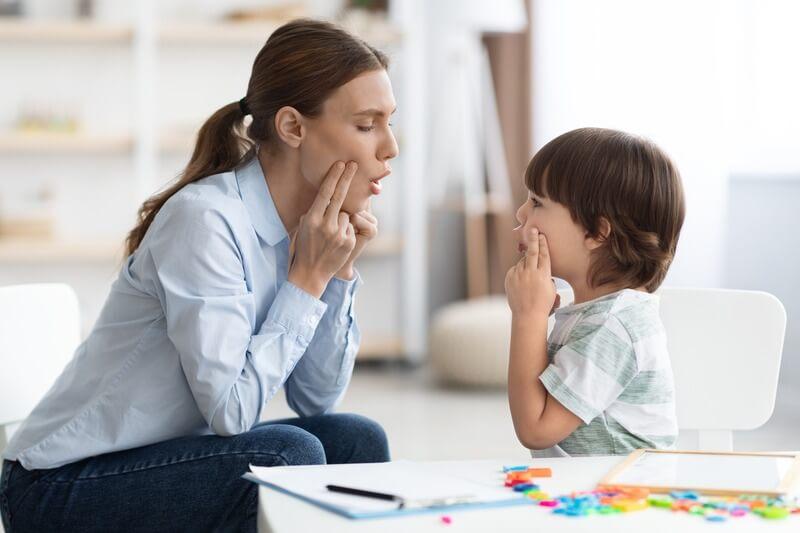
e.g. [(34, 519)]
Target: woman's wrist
[(311, 284), (347, 272)]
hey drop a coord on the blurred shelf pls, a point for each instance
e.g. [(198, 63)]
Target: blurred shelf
[(380, 348), (88, 32), (238, 33), (54, 251), (93, 32), (44, 143), (32, 250), (37, 143)]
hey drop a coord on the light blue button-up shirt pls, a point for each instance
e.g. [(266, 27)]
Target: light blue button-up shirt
[(200, 330)]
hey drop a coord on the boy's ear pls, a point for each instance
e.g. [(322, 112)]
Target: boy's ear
[(604, 230), (290, 126)]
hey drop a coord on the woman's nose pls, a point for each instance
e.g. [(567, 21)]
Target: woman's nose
[(389, 148)]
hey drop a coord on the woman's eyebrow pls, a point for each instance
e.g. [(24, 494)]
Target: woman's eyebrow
[(375, 112)]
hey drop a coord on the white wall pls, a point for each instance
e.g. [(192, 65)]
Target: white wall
[(716, 84), (652, 68)]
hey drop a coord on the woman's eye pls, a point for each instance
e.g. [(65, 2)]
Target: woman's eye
[(366, 128)]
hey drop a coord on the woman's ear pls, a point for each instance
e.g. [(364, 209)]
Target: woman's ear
[(603, 231), (289, 126)]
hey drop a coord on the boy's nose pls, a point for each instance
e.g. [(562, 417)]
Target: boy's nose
[(520, 216)]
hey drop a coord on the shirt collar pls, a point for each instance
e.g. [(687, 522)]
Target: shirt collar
[(258, 201)]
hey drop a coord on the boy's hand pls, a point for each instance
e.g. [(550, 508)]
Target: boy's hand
[(529, 285)]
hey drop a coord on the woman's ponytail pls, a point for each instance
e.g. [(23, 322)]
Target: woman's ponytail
[(221, 144)]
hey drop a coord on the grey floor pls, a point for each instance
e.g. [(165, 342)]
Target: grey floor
[(426, 421)]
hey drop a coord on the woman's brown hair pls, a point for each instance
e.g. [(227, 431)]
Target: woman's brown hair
[(300, 65), (627, 180)]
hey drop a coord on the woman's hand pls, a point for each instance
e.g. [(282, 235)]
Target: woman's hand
[(366, 227), (529, 285), (325, 237)]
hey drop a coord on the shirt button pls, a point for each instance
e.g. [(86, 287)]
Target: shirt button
[(311, 320)]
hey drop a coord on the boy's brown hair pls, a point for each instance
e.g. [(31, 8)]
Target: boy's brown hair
[(600, 173)]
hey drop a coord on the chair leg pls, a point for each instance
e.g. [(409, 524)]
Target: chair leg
[(3, 438), (715, 440)]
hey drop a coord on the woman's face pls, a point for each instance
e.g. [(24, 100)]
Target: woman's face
[(353, 126)]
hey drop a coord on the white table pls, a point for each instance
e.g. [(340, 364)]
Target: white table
[(280, 513)]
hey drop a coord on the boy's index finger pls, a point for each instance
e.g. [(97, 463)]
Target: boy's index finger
[(544, 254), (328, 187), (532, 253)]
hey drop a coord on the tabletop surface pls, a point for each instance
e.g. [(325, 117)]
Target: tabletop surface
[(281, 513)]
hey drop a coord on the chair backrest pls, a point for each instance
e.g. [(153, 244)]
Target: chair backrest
[(39, 331), (725, 347)]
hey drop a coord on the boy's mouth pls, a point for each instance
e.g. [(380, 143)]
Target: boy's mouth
[(522, 248)]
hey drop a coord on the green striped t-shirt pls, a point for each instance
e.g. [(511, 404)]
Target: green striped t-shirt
[(609, 365)]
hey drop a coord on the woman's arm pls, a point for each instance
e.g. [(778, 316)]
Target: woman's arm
[(231, 369), (319, 380), (322, 376)]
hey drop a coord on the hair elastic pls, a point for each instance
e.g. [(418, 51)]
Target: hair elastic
[(243, 107)]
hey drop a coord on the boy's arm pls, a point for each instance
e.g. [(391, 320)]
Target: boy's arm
[(540, 421)]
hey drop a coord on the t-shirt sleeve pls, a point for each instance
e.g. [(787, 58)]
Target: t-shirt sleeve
[(591, 370)]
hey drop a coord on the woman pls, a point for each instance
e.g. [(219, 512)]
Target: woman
[(239, 279)]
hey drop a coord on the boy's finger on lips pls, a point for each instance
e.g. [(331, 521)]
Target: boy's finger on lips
[(533, 243), (543, 247)]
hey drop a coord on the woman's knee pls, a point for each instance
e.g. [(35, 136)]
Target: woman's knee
[(370, 436), (293, 445)]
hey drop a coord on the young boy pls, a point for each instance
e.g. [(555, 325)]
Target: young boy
[(604, 213)]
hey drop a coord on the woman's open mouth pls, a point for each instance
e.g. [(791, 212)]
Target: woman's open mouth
[(375, 183)]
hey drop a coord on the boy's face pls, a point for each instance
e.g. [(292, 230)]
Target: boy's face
[(569, 249)]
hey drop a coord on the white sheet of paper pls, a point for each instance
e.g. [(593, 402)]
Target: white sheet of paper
[(707, 471), (406, 479)]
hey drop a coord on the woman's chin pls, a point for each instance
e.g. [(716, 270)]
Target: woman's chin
[(355, 205)]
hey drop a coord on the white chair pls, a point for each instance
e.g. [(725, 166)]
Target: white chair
[(39, 331), (725, 347)]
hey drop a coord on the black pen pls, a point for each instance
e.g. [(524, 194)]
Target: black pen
[(366, 493)]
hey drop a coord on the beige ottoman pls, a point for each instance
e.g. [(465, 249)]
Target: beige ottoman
[(469, 341)]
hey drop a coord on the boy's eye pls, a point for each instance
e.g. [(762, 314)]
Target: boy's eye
[(536, 203)]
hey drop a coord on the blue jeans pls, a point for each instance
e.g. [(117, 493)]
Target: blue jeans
[(186, 484)]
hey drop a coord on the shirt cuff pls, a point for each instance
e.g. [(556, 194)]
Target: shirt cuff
[(297, 311), (561, 392), (339, 294)]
